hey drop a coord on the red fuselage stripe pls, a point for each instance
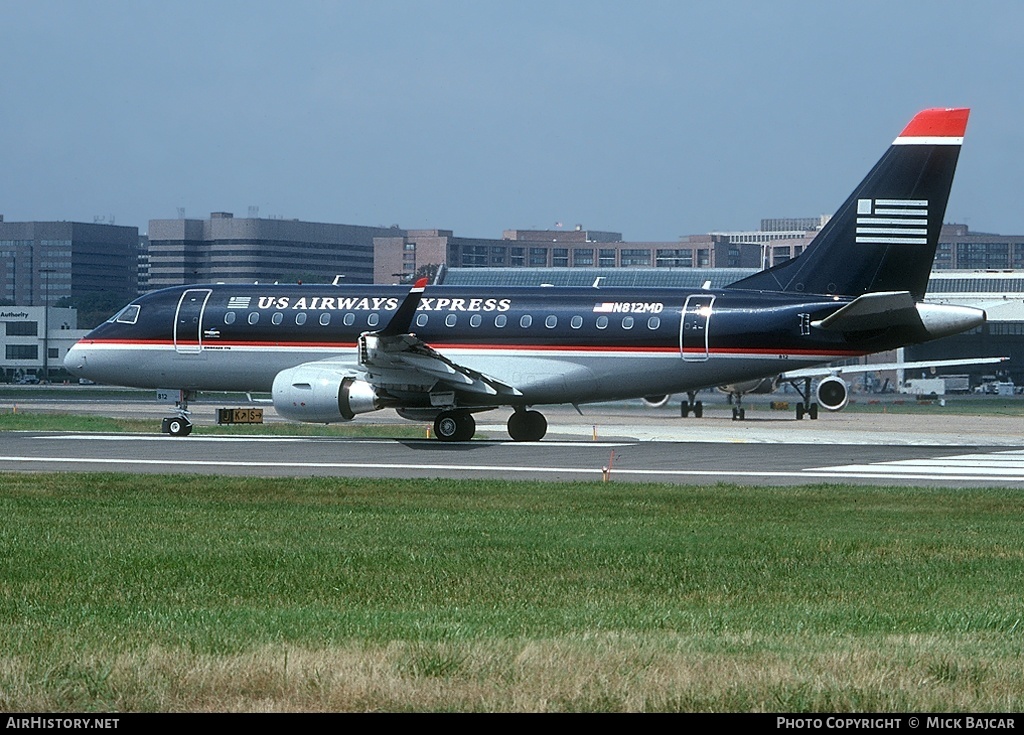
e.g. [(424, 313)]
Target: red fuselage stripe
[(213, 344)]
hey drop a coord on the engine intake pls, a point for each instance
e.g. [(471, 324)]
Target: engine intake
[(832, 393), (317, 395)]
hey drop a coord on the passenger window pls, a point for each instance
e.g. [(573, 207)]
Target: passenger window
[(421, 320), (300, 318), (277, 318), (500, 321), (475, 320), (325, 319), (525, 321), (602, 322), (450, 320), (627, 322), (654, 322), (576, 322), (254, 317), (551, 321), (349, 319), (373, 320), (229, 317)]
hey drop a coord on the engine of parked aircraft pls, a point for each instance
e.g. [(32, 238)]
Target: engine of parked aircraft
[(832, 393), (656, 401), (758, 385), (316, 395)]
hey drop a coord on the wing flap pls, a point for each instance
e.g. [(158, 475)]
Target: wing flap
[(397, 359)]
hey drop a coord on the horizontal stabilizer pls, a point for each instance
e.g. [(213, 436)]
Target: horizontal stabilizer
[(873, 311)]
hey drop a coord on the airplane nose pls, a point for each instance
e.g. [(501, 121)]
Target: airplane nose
[(75, 360)]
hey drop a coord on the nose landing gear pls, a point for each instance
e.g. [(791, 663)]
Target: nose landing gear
[(179, 425)]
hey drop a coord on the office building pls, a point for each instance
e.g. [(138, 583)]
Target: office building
[(44, 262), (227, 249)]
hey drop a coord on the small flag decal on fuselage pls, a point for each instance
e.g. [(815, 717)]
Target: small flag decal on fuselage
[(239, 302), (892, 221)]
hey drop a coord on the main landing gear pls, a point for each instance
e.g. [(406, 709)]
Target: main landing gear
[(691, 404), (805, 407), (179, 425), (454, 426), (459, 425), (738, 412), (527, 426)]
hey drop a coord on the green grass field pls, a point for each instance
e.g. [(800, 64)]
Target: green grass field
[(163, 593)]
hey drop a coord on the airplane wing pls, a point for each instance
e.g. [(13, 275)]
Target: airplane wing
[(827, 371), (390, 361), (395, 359)]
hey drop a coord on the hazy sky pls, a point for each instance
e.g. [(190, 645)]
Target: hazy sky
[(653, 119)]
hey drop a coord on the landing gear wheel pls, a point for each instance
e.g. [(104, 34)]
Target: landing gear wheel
[(454, 426), (527, 426), (739, 414), (799, 411), (813, 411), (178, 426), (687, 406)]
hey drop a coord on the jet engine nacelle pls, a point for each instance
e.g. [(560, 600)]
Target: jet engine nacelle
[(656, 401), (317, 395), (832, 393)]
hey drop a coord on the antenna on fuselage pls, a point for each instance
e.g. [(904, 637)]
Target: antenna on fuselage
[(597, 282), (337, 278)]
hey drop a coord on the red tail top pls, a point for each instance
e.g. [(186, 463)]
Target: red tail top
[(940, 122)]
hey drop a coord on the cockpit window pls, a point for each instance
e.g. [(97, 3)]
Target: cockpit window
[(128, 315)]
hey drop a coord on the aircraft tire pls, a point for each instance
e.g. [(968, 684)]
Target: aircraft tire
[(813, 411), (179, 427), (527, 426), (684, 409), (799, 411), (454, 426), (698, 410)]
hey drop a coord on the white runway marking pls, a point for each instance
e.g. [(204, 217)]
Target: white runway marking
[(1005, 466), (275, 439), (968, 468)]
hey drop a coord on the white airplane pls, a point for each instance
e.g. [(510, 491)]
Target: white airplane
[(445, 353), (832, 392)]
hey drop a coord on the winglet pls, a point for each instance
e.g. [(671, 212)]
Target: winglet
[(402, 319)]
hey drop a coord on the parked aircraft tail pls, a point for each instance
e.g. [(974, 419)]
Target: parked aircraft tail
[(884, 236)]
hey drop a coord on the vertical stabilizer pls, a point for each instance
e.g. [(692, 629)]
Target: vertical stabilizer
[(884, 236)]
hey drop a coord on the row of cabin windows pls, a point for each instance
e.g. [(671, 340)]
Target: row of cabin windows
[(450, 320)]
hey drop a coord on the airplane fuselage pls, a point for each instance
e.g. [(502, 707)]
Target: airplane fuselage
[(556, 345), (328, 353)]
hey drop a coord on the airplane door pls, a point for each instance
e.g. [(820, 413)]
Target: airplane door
[(693, 332), (188, 321)]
